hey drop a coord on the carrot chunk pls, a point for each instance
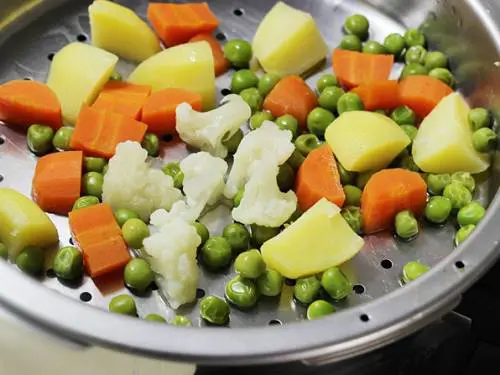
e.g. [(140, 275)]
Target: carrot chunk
[(221, 64), (378, 94), (104, 257)]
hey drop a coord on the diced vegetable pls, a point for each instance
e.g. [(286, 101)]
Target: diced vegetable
[(57, 181), (355, 68), (24, 103), (364, 141), (291, 96), (444, 140), (319, 239), (378, 94), (97, 133), (221, 64), (77, 74), (189, 66), (23, 223), (177, 23), (281, 38), (389, 192), (317, 178), (121, 31), (422, 93), (122, 97)]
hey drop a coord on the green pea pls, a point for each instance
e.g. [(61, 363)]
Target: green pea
[(173, 169), (444, 75), (253, 98), (414, 37), (270, 283), (4, 252), (349, 102), (295, 160), (258, 118), (238, 52), (463, 233), (92, 184), (415, 54), (414, 69), (479, 118), (437, 182), (363, 178), (458, 194), (216, 252), (346, 177), (335, 283), (115, 76), (243, 79), (151, 143), (232, 142), (435, 59), (412, 270), (318, 120), (352, 195), (155, 318), (484, 140), (202, 231), (472, 213), (237, 236), (138, 275), (404, 115), (326, 80), (408, 163), (134, 232), (68, 263), (394, 44), (181, 321), (410, 130), (306, 289), (250, 264), (62, 138), (124, 214), (92, 164), (466, 179), (358, 25), (406, 225), (288, 122), (241, 292), (39, 139), (105, 169), (261, 234), (286, 178), (373, 47), (352, 215), (319, 309), (123, 304), (85, 201), (214, 310), (351, 43), (305, 143), (329, 98), (438, 209), (31, 260), (238, 197), (267, 83)]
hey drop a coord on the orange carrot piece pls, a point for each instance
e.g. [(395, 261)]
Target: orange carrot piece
[(24, 103), (291, 96), (159, 111), (378, 94), (221, 64), (318, 177), (105, 257), (389, 192), (355, 68), (97, 133), (57, 181), (177, 23), (93, 219), (422, 93), (122, 97)]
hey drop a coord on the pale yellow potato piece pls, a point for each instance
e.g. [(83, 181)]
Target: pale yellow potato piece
[(77, 74), (288, 41), (319, 239), (121, 31), (444, 140), (364, 141), (187, 66)]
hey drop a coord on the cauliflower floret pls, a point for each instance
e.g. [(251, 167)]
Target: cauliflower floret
[(263, 203), (205, 130), (268, 143), (131, 183)]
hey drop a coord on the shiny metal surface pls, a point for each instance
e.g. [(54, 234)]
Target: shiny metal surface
[(466, 30)]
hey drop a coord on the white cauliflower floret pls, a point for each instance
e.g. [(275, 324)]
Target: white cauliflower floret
[(131, 183), (205, 130), (267, 142), (263, 203)]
